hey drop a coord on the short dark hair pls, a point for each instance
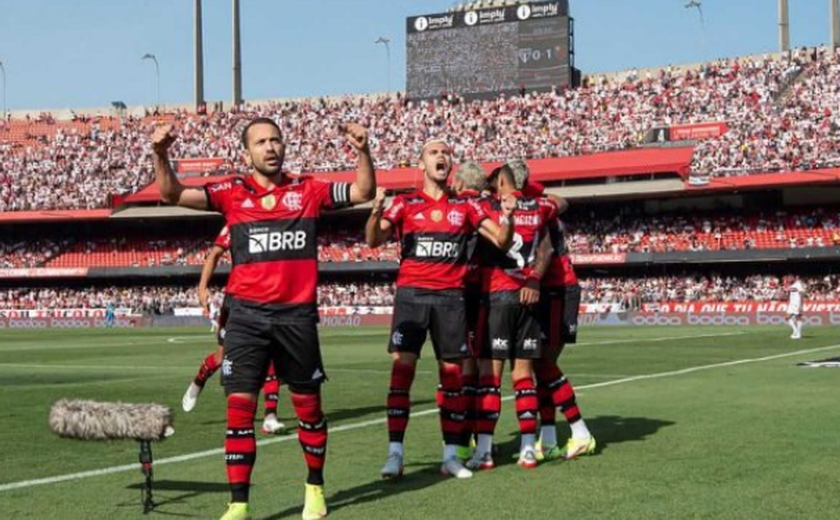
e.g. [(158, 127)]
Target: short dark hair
[(505, 170), (258, 121)]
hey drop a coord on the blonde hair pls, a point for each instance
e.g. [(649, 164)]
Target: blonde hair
[(472, 175)]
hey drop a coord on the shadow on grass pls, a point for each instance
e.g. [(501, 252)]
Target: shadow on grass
[(607, 429), (421, 476), (190, 490)]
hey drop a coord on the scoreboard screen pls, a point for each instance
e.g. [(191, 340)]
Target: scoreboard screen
[(488, 51)]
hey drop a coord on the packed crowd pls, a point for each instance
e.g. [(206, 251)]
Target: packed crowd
[(782, 115), (628, 291), (725, 230), (122, 252), (714, 288), (20, 254), (163, 300)]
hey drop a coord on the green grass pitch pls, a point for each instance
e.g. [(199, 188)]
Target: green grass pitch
[(691, 423)]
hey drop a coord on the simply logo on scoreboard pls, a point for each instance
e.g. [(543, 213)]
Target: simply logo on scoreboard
[(488, 15)]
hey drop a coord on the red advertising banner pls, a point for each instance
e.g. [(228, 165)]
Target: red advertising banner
[(697, 131), (677, 319), (744, 307), (599, 259), (44, 272), (202, 165), (61, 313)]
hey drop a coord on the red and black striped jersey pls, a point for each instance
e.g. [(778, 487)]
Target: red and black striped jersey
[(435, 238), (273, 242), (508, 271), (560, 271), (223, 240), (473, 278)]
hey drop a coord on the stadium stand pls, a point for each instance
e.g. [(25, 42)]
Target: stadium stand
[(710, 231), (781, 113), (162, 300), (629, 290)]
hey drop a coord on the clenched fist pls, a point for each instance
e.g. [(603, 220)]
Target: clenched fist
[(162, 139), (509, 205), (379, 201), (356, 135)]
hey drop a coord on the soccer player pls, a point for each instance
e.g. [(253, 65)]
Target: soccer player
[(558, 315), (470, 180), (434, 228), (212, 362), (511, 287), (794, 309), (273, 313)]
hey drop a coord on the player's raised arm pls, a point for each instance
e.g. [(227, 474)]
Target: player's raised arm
[(364, 188), (171, 189), (500, 235), (561, 203), (377, 229), (530, 293)]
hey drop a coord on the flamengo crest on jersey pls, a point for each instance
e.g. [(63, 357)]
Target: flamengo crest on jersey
[(434, 235), (272, 236)]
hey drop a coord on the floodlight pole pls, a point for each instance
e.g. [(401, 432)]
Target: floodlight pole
[(3, 70), (784, 26), (152, 57), (237, 57), (387, 42), (199, 57)]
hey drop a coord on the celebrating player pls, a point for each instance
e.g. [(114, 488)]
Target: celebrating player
[(273, 313), (470, 181), (434, 229), (212, 362), (558, 316), (511, 287)]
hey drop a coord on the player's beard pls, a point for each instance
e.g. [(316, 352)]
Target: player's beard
[(269, 171)]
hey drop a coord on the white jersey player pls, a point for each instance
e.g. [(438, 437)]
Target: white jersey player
[(215, 310), (794, 309)]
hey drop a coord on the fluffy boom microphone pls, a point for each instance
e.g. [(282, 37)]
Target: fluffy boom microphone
[(95, 421)]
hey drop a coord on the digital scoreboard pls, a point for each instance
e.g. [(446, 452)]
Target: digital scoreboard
[(490, 50)]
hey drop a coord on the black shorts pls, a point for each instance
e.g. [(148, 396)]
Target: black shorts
[(476, 319), (442, 314), (252, 341), (558, 314), (224, 312), (513, 331)]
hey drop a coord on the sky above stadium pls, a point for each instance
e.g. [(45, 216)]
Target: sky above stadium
[(86, 53)]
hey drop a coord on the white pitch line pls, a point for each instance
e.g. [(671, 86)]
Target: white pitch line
[(375, 422), (654, 340), (41, 346)]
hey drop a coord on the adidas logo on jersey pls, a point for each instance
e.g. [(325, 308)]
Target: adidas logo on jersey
[(248, 204), (419, 216)]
